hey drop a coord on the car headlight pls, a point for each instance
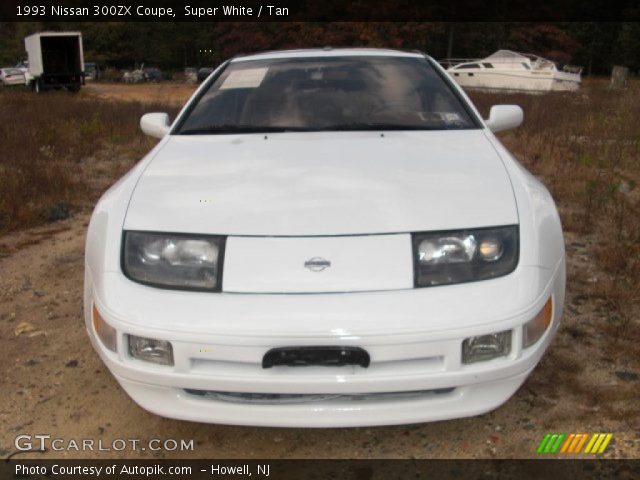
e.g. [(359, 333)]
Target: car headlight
[(170, 260), (442, 258)]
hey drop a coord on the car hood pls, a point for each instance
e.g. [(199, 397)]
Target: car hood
[(324, 183)]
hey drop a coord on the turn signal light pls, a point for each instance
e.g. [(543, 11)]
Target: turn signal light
[(535, 328), (106, 333)]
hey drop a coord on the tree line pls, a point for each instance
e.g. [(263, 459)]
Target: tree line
[(596, 46)]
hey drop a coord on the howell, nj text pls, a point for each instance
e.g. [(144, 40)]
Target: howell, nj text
[(244, 469)]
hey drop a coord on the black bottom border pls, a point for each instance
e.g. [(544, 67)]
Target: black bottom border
[(16, 468)]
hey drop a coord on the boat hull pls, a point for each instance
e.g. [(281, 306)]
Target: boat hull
[(528, 82)]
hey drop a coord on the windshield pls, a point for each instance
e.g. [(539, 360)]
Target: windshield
[(327, 93)]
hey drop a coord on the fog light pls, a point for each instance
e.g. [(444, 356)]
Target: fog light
[(486, 347), (151, 350), (535, 328), (105, 332)]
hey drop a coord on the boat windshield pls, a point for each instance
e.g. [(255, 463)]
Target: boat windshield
[(507, 56)]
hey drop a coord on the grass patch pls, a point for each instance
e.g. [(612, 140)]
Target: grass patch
[(585, 146), (50, 143)]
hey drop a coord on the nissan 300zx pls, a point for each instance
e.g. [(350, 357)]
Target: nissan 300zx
[(325, 238)]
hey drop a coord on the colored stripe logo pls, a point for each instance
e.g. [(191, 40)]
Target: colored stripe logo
[(574, 443)]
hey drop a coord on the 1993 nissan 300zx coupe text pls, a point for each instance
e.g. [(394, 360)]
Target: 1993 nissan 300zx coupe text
[(325, 238)]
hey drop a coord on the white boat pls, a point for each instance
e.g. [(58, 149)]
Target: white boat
[(508, 70)]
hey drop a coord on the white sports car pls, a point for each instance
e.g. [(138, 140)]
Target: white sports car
[(325, 238)]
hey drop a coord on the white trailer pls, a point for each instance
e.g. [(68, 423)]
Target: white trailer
[(56, 60)]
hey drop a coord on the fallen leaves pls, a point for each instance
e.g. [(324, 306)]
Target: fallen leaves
[(26, 328)]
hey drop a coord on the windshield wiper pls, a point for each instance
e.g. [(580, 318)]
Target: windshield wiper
[(238, 128), (341, 127)]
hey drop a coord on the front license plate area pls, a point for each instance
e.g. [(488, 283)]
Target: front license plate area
[(330, 356)]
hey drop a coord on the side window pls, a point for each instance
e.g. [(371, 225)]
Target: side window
[(526, 66), (487, 65), (469, 65)]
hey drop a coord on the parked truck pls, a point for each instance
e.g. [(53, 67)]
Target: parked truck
[(55, 60)]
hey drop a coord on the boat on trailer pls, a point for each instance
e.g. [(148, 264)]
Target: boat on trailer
[(508, 70)]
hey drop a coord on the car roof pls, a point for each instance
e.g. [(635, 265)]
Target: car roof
[(327, 52)]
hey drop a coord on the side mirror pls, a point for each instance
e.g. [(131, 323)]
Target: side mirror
[(155, 124), (504, 117)]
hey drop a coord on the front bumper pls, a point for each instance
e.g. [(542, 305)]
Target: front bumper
[(414, 339)]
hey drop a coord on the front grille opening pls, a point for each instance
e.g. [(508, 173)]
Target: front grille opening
[(293, 398)]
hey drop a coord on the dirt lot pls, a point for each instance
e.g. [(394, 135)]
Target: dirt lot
[(53, 382)]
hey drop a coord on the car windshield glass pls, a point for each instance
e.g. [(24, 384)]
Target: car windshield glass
[(327, 93)]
